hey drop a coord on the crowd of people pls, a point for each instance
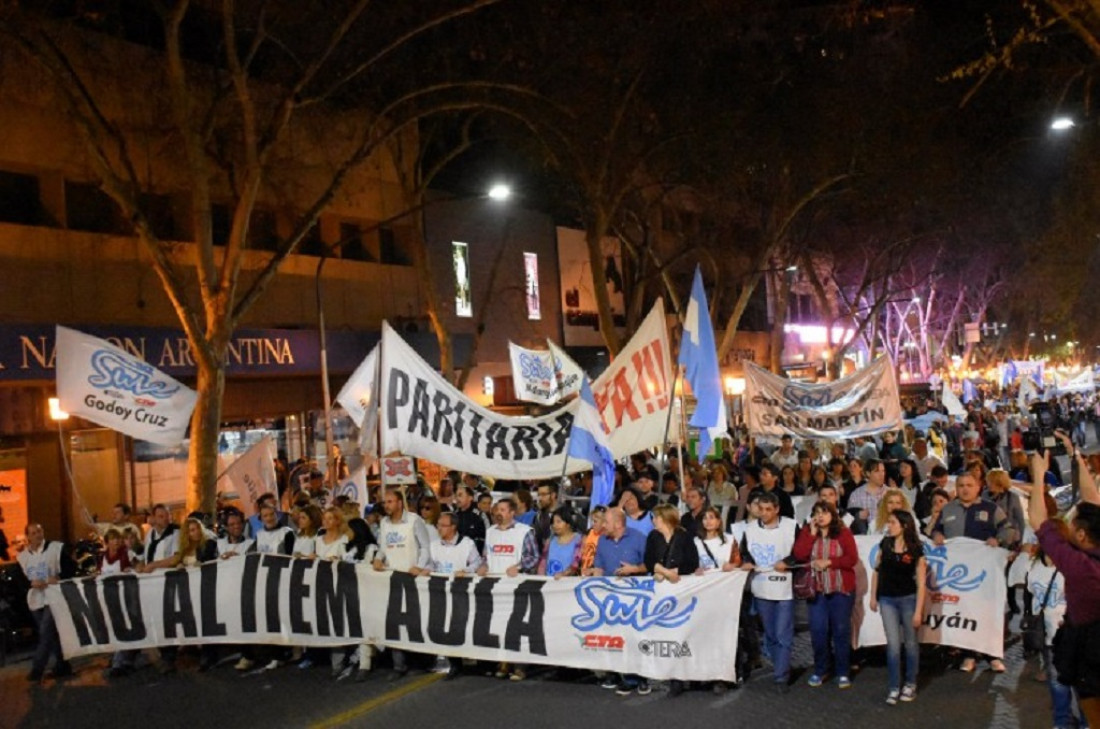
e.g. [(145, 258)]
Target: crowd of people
[(736, 513)]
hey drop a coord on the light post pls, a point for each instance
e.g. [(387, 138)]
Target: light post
[(499, 192)]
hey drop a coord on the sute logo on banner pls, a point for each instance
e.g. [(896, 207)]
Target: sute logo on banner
[(604, 601), (138, 378)]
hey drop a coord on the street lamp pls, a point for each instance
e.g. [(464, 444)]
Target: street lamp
[(499, 192), (1062, 123), (56, 413)]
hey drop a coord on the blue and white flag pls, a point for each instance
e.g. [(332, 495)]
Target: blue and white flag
[(588, 441), (969, 393), (699, 358), (99, 382)]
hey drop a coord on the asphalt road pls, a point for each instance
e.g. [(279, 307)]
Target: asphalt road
[(293, 697)]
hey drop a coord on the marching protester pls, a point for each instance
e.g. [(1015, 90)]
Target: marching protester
[(717, 551), (115, 560), (308, 519), (863, 502), (621, 552), (766, 547), (561, 553), (453, 555), (273, 537), (769, 482), (974, 517), (544, 515), (45, 563), (470, 524), (234, 543), (1074, 549), (404, 546), (163, 536), (591, 541), (829, 551), (892, 500), (636, 518), (510, 549), (193, 549), (898, 594), (670, 552), (335, 544)]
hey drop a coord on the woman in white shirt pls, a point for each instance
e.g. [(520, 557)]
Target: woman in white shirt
[(308, 520), (717, 550)]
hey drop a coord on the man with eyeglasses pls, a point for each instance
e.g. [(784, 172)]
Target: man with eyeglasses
[(547, 503)]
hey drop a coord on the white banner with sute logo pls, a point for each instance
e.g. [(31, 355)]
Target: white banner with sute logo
[(858, 405), (965, 596), (636, 625), (102, 383)]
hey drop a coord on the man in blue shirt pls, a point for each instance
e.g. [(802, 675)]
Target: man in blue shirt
[(620, 552)]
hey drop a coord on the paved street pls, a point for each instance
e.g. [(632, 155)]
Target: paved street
[(290, 697)]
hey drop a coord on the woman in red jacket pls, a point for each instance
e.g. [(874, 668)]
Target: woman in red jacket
[(830, 551)]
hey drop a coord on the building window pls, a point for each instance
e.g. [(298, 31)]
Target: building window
[(464, 304), (161, 214), (263, 232), (311, 244), (90, 209), (352, 245), (531, 285), (20, 199), (220, 220)]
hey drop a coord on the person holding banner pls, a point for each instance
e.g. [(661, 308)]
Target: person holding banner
[(403, 545), (234, 543), (766, 547), (470, 524), (45, 563), (163, 536), (898, 588), (829, 550), (510, 550), (561, 554), (453, 555)]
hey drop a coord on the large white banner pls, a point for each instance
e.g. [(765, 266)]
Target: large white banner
[(660, 630), (423, 415), (99, 382), (634, 393), (861, 404), (253, 473), (544, 376), (965, 599)]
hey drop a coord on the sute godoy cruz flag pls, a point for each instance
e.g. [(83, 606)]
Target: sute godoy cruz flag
[(588, 441), (99, 382), (699, 358)]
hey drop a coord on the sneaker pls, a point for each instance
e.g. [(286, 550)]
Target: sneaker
[(892, 697), (844, 682), (967, 666), (518, 675), (624, 688), (997, 665), (609, 683), (346, 672), (908, 692), (815, 681), (305, 663), (244, 664), (643, 687), (273, 664)]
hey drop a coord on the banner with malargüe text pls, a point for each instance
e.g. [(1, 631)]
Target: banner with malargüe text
[(686, 630), (861, 404), (634, 393), (117, 389), (965, 598), (425, 416)]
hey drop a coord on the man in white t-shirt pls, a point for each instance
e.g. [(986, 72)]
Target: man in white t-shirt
[(44, 563), (510, 550), (785, 455), (403, 545), (925, 459), (453, 555), (765, 547)]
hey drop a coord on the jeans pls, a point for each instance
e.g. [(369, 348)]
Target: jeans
[(831, 613), (778, 619), (897, 621), (1061, 696), (49, 642)]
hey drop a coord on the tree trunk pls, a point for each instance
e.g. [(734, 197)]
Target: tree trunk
[(202, 461), (593, 234), (779, 310)]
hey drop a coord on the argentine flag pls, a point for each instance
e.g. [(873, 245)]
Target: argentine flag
[(588, 441), (699, 358)]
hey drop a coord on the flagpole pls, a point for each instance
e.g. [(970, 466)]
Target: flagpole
[(668, 422), (683, 442), (67, 461)]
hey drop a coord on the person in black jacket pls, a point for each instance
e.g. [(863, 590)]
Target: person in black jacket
[(669, 553), (469, 521)]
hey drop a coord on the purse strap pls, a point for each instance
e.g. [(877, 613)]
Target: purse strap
[(1046, 595)]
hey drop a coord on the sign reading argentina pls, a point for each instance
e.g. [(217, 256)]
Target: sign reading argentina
[(108, 386), (661, 630), (964, 605), (425, 416), (858, 405)]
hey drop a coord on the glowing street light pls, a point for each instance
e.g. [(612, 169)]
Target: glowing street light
[(500, 192), (1062, 124), (56, 413)]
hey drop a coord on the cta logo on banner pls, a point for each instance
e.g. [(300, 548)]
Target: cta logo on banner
[(858, 405), (686, 631), (965, 596), (99, 382), (634, 393), (398, 470)]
